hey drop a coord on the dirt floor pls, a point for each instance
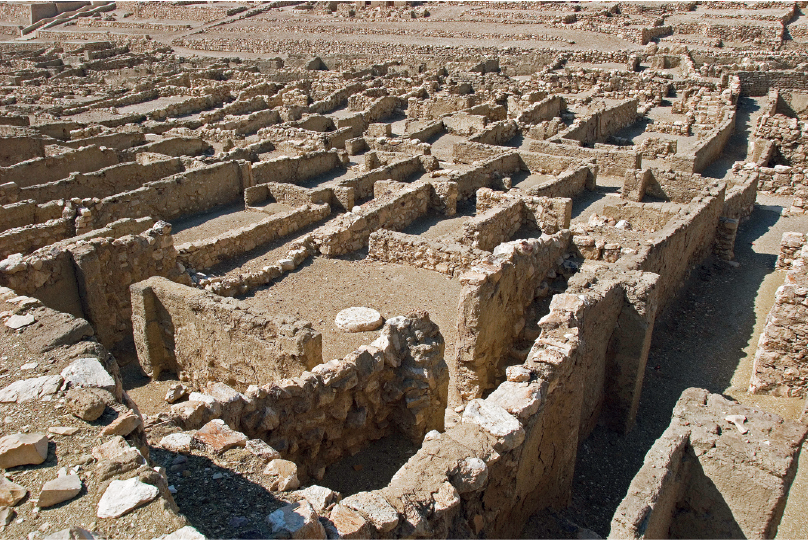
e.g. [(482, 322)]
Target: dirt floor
[(321, 288), (219, 221), (702, 340)]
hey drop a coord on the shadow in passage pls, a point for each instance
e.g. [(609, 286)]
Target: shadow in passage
[(218, 502), (698, 341), (585, 200)]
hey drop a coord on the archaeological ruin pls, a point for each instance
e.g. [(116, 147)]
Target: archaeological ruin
[(393, 269)]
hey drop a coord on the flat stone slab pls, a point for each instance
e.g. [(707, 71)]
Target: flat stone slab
[(28, 389), (11, 493), (359, 319), (59, 490), (16, 322), (123, 496), (23, 449), (218, 436)]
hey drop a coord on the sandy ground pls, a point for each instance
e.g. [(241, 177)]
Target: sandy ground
[(321, 288)]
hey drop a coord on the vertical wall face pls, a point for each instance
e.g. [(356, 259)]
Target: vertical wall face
[(204, 338), (721, 470)]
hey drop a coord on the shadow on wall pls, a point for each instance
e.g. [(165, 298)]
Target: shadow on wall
[(697, 342)]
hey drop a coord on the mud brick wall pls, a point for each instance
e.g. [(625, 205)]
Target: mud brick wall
[(104, 182), (352, 231), (49, 169), (484, 175), (781, 366), (190, 192), (610, 162), (396, 247), (203, 337), (32, 237), (206, 253), (16, 149), (681, 491), (568, 184), (758, 83), (493, 299), (295, 170)]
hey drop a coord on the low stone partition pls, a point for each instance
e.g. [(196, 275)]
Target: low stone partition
[(52, 168), (547, 214), (780, 367), (118, 141), (675, 186), (398, 383), (28, 212), (568, 184), (16, 149), (434, 108), (698, 481), (425, 131), (601, 124), (497, 133), (706, 150), (204, 338), (104, 182), (190, 192), (494, 297), (470, 152), (611, 162), (399, 171), (395, 211), (171, 146), (495, 225), (682, 243), (485, 174), (203, 254), (296, 170), (546, 109), (400, 248), (32, 237)]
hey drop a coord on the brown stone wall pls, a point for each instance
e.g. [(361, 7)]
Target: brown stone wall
[(450, 259), (31, 237), (611, 162), (568, 184), (49, 169), (205, 253), (295, 170), (16, 149)]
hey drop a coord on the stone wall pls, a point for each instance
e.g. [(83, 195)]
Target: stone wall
[(190, 192), (494, 225), (203, 254), (601, 124), (399, 170), (780, 366), (683, 491), (546, 109), (28, 212), (485, 174), (204, 338), (16, 149), (675, 186), (295, 170), (611, 162), (31, 237), (104, 182), (397, 383), (411, 250), (395, 211), (568, 184), (758, 83), (491, 314), (497, 133), (52, 168)]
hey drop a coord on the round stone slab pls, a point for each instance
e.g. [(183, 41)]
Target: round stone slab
[(359, 319)]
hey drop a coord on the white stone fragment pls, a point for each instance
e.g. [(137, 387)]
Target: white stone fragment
[(16, 322), (88, 372), (296, 520), (123, 496), (28, 389), (359, 319), (496, 421)]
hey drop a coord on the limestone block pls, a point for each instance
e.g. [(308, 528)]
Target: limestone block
[(23, 449), (123, 496), (496, 421)]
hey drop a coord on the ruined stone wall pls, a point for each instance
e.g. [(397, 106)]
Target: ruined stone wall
[(49, 169), (611, 162), (758, 83), (483, 175), (395, 211), (568, 184), (427, 131), (106, 267), (104, 182), (676, 186), (399, 170), (295, 170), (204, 338), (16, 149), (411, 250), (603, 123), (493, 300), (28, 212), (436, 107), (780, 366), (172, 146), (547, 214), (546, 109), (118, 141), (31, 237), (469, 152), (206, 253), (497, 133), (708, 149), (190, 192), (397, 383), (494, 225), (681, 491), (47, 273)]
